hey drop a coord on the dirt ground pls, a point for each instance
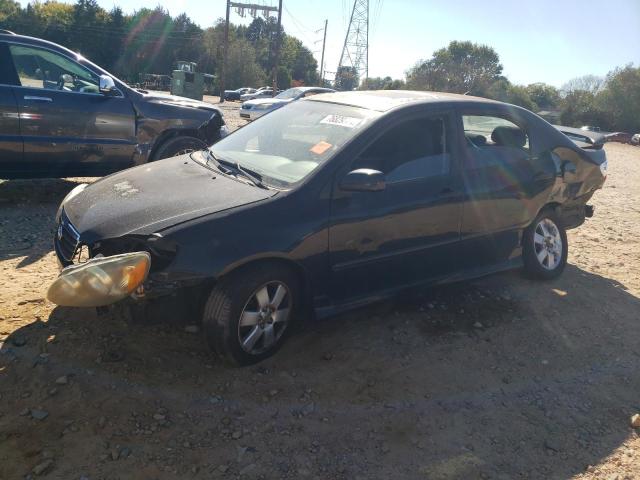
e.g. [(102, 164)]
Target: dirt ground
[(500, 378)]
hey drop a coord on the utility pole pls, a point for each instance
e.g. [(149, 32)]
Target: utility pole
[(277, 55), (225, 53), (253, 8), (324, 42)]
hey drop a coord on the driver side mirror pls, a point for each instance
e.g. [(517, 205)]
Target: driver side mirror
[(363, 180), (107, 85)]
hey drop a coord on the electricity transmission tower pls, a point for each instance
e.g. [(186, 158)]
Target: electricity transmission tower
[(355, 52)]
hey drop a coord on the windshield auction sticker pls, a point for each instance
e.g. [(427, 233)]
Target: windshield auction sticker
[(339, 120), (320, 147)]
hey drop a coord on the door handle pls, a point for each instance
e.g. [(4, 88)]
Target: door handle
[(38, 99)]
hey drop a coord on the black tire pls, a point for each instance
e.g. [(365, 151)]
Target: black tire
[(237, 294), (538, 263), (178, 146)]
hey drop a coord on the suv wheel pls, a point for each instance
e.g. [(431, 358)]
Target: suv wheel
[(545, 247), (248, 315), (179, 146)]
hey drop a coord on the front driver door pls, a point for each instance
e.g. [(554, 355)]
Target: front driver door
[(406, 233), (67, 126)]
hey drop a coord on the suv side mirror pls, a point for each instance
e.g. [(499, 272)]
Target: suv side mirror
[(107, 85), (363, 180)]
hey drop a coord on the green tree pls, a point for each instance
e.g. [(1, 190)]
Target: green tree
[(346, 78), (504, 91), (543, 95), (461, 67), (620, 98), (380, 83), (8, 9), (580, 109)]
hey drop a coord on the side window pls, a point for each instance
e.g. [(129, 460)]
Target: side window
[(492, 140), (40, 68), (412, 150)]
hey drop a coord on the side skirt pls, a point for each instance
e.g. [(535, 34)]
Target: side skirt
[(331, 310)]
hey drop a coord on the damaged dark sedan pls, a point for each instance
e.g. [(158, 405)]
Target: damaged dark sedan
[(61, 115), (333, 202)]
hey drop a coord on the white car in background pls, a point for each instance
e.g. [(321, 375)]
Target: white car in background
[(253, 109), (262, 92)]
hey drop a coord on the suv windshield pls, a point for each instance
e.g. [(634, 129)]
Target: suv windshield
[(285, 146)]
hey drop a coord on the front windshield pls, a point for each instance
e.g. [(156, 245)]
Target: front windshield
[(291, 93), (285, 146)]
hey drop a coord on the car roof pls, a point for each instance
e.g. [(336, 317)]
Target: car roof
[(384, 100), (35, 41)]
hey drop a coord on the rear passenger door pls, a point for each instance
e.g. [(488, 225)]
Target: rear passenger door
[(503, 179), (10, 139)]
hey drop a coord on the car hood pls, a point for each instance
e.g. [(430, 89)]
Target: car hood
[(176, 101), (155, 196)]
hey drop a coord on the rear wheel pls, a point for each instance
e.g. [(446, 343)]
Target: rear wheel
[(545, 247), (179, 146), (248, 315)]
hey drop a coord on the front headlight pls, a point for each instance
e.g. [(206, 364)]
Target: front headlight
[(78, 189), (100, 281)]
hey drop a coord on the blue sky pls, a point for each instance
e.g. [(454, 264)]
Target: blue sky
[(538, 40)]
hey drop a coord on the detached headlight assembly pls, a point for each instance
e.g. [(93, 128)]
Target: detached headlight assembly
[(100, 281)]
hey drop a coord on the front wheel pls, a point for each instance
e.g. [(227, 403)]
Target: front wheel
[(545, 247), (248, 315)]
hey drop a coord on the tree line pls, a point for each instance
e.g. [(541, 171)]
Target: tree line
[(612, 102), (151, 41)]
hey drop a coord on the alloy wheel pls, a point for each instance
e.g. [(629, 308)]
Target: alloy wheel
[(547, 242), (264, 318)]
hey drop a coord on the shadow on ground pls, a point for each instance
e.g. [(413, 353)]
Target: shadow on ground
[(499, 378)]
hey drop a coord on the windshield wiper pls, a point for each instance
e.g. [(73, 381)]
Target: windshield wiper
[(254, 177)]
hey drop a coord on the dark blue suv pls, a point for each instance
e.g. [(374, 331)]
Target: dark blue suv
[(61, 115)]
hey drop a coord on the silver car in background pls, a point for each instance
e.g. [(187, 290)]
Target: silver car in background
[(262, 92), (253, 109)]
